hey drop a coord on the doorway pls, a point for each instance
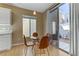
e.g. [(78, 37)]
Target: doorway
[(64, 27)]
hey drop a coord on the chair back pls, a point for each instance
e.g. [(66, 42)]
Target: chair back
[(35, 34), (44, 42)]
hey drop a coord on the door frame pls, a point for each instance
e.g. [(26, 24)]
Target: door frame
[(72, 35)]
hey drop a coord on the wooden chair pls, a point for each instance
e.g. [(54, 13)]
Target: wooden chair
[(35, 37), (43, 44), (28, 43)]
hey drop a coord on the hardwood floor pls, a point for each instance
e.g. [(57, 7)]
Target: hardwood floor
[(20, 50), (15, 51)]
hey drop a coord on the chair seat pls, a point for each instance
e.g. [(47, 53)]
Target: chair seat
[(34, 37), (30, 43)]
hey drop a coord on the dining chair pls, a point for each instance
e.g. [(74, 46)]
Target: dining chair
[(35, 37), (28, 43), (43, 45)]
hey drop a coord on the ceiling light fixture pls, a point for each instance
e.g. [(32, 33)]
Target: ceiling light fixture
[(34, 12)]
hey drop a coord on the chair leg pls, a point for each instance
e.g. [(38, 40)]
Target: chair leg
[(47, 51), (25, 51), (40, 52), (34, 51)]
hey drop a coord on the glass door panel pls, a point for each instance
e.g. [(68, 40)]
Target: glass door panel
[(64, 27)]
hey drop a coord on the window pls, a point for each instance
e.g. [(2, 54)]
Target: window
[(33, 26), (64, 27), (29, 26)]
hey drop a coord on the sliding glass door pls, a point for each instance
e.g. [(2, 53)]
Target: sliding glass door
[(64, 27)]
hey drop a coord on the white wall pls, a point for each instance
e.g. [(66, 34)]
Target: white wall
[(5, 16), (5, 29)]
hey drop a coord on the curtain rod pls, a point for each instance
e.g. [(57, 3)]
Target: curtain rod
[(32, 17)]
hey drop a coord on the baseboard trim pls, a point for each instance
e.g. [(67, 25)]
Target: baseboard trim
[(17, 44)]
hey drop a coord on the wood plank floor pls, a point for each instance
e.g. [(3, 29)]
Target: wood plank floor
[(20, 50)]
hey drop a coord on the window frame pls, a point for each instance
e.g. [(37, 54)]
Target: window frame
[(30, 18)]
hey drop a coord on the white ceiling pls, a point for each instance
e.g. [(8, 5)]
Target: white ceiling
[(39, 7)]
